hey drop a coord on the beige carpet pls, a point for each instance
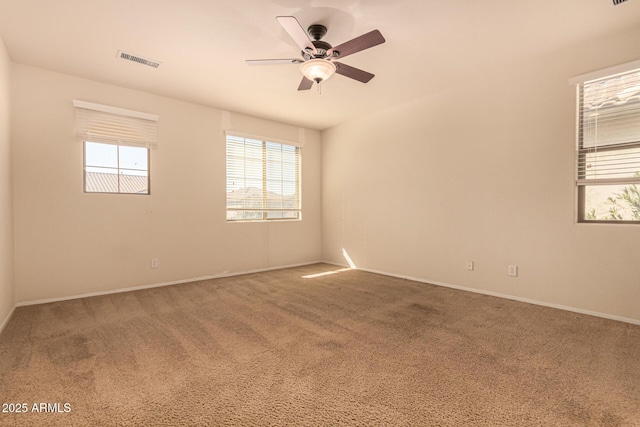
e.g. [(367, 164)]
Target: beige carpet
[(351, 348)]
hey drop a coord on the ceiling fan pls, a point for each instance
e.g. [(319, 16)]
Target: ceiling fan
[(319, 58)]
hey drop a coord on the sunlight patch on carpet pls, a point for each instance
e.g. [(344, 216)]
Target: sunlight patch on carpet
[(326, 273)]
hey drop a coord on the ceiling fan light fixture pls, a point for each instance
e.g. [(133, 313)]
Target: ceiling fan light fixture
[(317, 70)]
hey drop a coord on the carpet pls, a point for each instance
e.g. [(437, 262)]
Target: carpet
[(311, 346)]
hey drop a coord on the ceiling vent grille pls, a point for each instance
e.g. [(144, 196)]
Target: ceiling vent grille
[(140, 60), (616, 2)]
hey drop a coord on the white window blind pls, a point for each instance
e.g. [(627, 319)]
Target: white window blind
[(608, 148), (609, 130), (111, 125), (263, 180)]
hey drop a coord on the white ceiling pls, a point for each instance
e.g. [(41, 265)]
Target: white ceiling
[(202, 45)]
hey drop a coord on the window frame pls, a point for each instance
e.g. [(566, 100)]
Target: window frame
[(264, 181), (84, 169), (582, 152), (105, 124)]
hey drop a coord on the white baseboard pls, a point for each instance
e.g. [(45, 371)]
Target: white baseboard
[(158, 285), (6, 320), (499, 295), (415, 279)]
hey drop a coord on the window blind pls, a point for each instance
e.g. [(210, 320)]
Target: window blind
[(263, 179), (111, 125), (608, 146)]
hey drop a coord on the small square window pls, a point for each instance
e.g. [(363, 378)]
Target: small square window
[(110, 168)]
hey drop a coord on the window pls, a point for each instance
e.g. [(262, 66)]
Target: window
[(112, 168), (116, 144), (263, 180), (608, 149)]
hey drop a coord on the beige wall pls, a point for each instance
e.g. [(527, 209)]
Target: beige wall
[(6, 207), (482, 171), (70, 243)]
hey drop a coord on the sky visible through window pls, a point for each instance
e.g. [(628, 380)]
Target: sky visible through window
[(114, 159)]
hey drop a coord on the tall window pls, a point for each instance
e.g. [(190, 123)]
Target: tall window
[(263, 180), (608, 149), (116, 144)]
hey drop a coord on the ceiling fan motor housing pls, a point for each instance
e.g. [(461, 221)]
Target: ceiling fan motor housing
[(317, 32), (321, 50)]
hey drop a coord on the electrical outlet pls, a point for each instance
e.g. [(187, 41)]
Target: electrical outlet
[(154, 262), (513, 271), (470, 265)]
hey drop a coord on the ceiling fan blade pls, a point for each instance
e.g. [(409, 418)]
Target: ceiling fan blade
[(305, 84), (273, 61), (297, 33), (353, 73), (365, 41)]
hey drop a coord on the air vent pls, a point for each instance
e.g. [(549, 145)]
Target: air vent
[(138, 59), (615, 2)]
